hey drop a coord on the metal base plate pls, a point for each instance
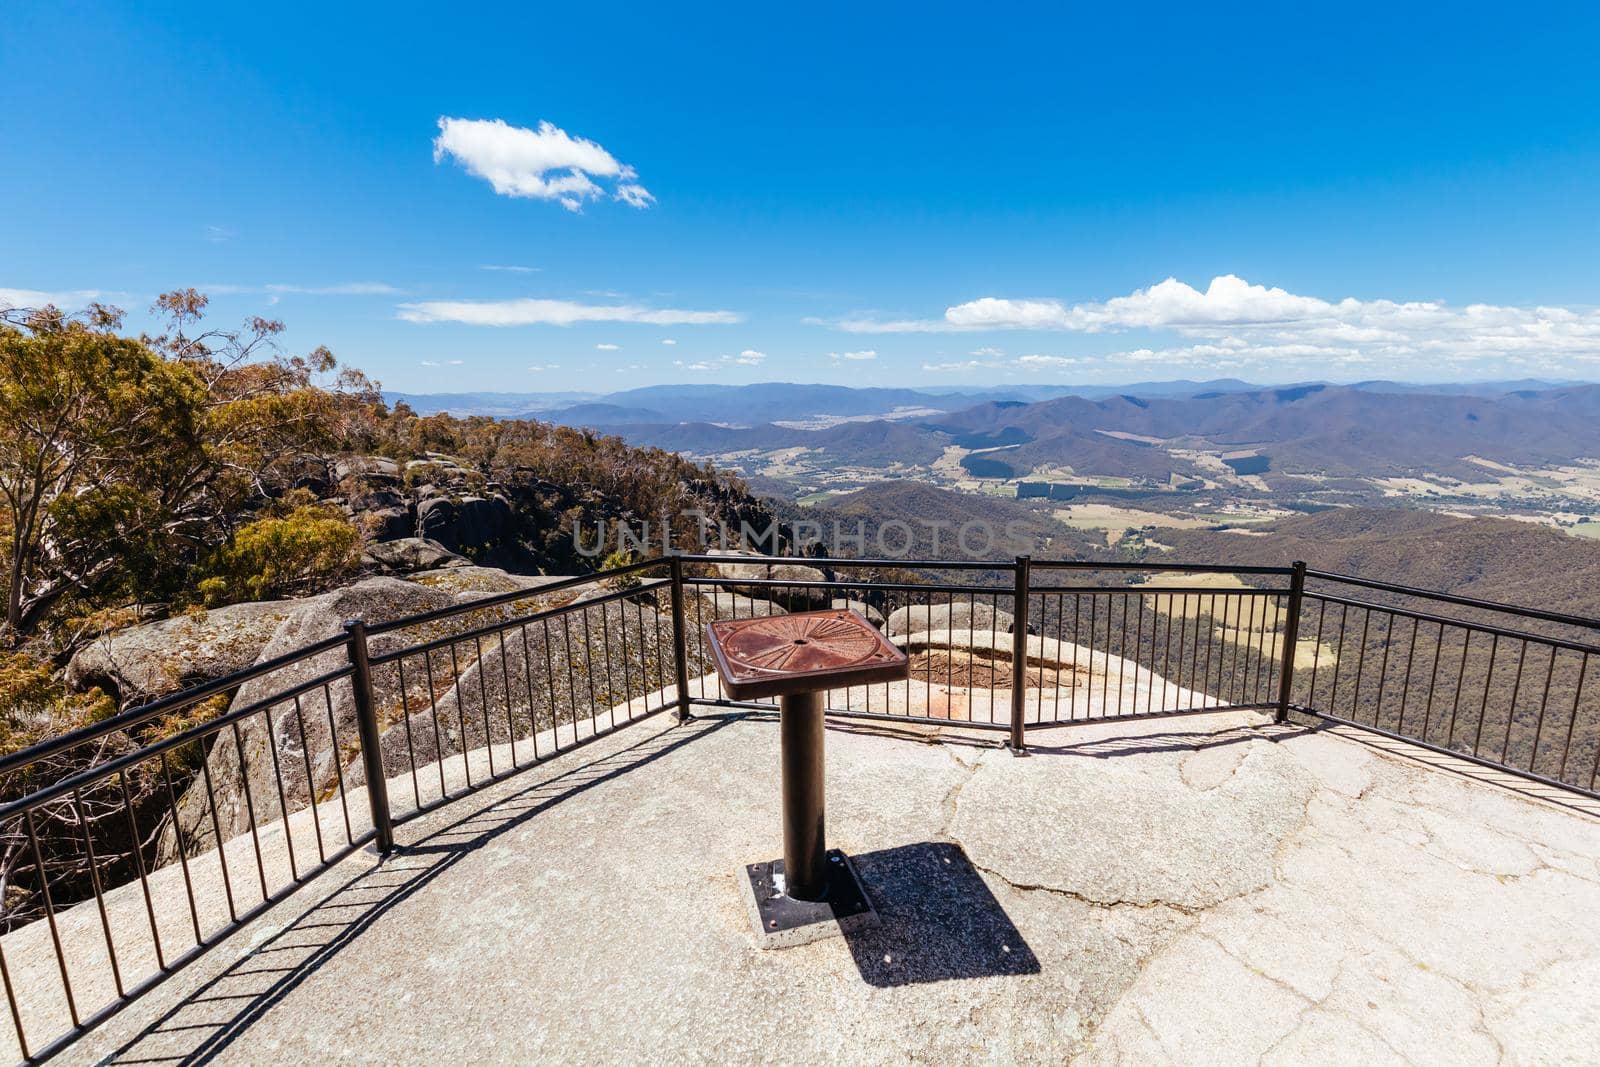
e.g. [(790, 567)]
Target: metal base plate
[(781, 921)]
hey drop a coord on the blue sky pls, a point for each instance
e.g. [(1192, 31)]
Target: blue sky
[(927, 194)]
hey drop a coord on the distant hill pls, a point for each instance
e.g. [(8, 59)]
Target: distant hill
[(926, 508), (1491, 559)]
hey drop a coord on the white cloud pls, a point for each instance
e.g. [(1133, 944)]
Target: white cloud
[(65, 299), (346, 289), (697, 366), (446, 363), (538, 367), (277, 289), (542, 164), (958, 367), (1236, 323), (860, 356), (607, 348), (1043, 362), (987, 352), (749, 358), (531, 312), (509, 268), (668, 341)]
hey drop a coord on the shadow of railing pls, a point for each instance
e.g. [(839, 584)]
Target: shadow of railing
[(206, 1021)]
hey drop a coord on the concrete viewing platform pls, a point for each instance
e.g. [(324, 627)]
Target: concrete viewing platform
[(1208, 888)]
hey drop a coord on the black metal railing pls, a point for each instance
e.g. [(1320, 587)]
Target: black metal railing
[(130, 846)]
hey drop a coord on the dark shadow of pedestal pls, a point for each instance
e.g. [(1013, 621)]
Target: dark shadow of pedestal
[(937, 920)]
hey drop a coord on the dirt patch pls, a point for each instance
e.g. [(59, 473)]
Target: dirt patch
[(980, 670)]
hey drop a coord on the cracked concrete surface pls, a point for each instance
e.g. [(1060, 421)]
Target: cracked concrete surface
[(1206, 889)]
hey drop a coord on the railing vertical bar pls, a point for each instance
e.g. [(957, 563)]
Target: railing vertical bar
[(1483, 708), (527, 681), (99, 891), (1455, 703), (283, 799), (1577, 700), (1290, 618), (216, 827), (405, 717), (250, 808), (477, 668), (50, 917), (138, 860), (1433, 684), (505, 688), (1544, 705), (1405, 686), (338, 766), (1516, 692), (1019, 651), (433, 713), (680, 640), (183, 849), (550, 678), (11, 1001)]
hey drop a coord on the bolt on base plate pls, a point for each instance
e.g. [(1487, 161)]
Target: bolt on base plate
[(781, 921)]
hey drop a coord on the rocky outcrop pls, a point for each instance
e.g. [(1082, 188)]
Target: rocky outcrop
[(860, 607), (750, 567), (407, 554), (968, 615), (142, 663), (554, 672), (302, 742)]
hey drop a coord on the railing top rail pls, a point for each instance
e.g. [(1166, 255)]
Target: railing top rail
[(1461, 601), (845, 561), (1166, 568), (77, 781), (144, 712), (1459, 624)]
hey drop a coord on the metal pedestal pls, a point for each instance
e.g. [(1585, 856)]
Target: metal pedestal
[(804, 832)]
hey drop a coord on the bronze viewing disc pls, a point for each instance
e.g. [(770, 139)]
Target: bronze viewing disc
[(799, 653)]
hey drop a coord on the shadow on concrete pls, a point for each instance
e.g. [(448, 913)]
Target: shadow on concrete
[(205, 1022), (1171, 740), (937, 920)]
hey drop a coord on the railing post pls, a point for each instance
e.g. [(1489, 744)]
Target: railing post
[(680, 639), (1019, 653), (367, 727), (1291, 638)]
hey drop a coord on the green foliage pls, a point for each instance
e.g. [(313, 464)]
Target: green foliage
[(615, 560), (307, 550), (125, 461), (34, 705)]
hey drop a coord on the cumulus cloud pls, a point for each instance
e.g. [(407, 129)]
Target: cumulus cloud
[(1233, 322), (1036, 362), (699, 366), (546, 163), (602, 346), (749, 358), (859, 356), (668, 341), (530, 312)]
